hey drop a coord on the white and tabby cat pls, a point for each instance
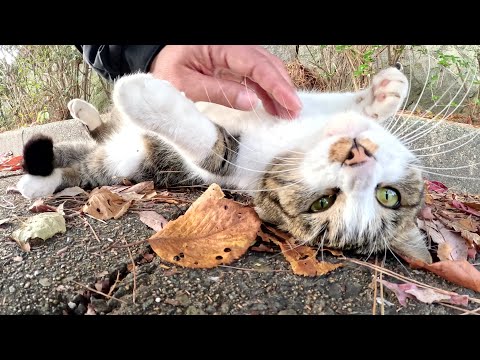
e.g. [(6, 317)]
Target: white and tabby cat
[(334, 176)]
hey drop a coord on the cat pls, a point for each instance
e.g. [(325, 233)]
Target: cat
[(332, 177)]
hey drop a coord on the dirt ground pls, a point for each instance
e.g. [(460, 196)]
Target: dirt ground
[(62, 274)]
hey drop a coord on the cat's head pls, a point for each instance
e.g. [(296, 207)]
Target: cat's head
[(354, 189)]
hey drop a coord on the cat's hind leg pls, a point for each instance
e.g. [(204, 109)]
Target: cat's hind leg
[(85, 112), (99, 129), (157, 106)]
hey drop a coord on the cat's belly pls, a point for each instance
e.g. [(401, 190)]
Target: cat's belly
[(125, 152)]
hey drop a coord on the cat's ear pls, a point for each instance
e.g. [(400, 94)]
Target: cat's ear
[(412, 244)]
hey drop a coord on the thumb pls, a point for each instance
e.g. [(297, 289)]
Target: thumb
[(224, 92)]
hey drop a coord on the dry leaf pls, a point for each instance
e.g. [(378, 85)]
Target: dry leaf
[(71, 191), (458, 272), (12, 164), (428, 296), (213, 231), (301, 258), (461, 206), (39, 206), (103, 204), (436, 186), (152, 219), (42, 226), (4, 221)]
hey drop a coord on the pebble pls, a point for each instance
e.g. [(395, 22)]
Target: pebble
[(157, 299), (287, 312), (44, 282), (36, 273), (11, 289), (192, 310), (72, 305), (27, 285)]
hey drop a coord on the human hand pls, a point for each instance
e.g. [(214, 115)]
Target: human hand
[(232, 75)]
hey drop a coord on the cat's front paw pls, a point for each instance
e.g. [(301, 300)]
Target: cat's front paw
[(85, 112), (387, 93), (34, 186)]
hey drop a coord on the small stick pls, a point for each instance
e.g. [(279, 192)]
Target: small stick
[(114, 284), (99, 292), (94, 233), (134, 273)]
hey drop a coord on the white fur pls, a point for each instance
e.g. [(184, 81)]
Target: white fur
[(125, 151), (85, 112), (157, 106), (32, 186)]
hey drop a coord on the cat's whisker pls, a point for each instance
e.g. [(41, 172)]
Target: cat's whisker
[(445, 151), (445, 175), (447, 168), (409, 139), (421, 93), (473, 135)]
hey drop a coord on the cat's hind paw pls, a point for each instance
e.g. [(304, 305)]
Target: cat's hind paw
[(33, 186), (387, 93), (85, 112)]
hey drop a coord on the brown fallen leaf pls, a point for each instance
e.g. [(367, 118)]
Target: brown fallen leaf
[(39, 206), (428, 296), (459, 272), (103, 204), (213, 231), (302, 258), (451, 246), (152, 219), (12, 164)]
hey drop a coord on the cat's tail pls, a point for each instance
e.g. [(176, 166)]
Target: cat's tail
[(38, 156)]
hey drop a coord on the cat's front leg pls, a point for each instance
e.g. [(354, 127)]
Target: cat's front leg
[(387, 93), (157, 106)]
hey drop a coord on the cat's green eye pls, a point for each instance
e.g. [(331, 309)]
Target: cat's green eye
[(388, 197), (324, 203)]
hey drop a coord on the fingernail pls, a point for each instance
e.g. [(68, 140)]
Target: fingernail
[(246, 100)]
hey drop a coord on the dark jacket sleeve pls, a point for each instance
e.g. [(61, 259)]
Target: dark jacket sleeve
[(112, 61)]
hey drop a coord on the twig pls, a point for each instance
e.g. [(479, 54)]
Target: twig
[(404, 278), (382, 305), (99, 292), (134, 273), (245, 269), (94, 233), (128, 245), (374, 307), (465, 312), (114, 284)]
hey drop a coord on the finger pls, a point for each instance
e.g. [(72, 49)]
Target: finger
[(270, 104), (260, 69), (220, 91), (279, 64)]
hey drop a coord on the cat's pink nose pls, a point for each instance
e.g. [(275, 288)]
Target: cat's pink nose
[(357, 155)]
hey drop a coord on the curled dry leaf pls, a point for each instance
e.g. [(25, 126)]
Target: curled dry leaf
[(39, 206), (42, 226), (152, 219), (436, 186), (71, 191), (302, 258), (428, 296), (458, 272), (103, 204), (213, 231)]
